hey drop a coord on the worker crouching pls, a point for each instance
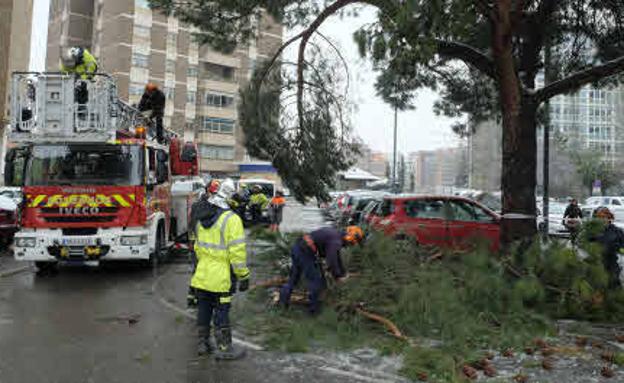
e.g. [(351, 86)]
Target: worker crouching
[(221, 262), (306, 255)]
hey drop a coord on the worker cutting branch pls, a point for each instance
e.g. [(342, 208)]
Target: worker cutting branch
[(324, 243)]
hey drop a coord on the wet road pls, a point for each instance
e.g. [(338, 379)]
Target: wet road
[(123, 323)]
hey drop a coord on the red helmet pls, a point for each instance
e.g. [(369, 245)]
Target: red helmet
[(213, 186)]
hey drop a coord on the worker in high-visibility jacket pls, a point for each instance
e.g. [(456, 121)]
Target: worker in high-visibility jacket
[(79, 61), (83, 65), (221, 263), (257, 203)]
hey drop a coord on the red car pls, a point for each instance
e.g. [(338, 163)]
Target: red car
[(445, 221)]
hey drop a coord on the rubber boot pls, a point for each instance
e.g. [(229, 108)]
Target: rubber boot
[(225, 348), (204, 346)]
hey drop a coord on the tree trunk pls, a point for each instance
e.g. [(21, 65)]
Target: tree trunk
[(518, 178)]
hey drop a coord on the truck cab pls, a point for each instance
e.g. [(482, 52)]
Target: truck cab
[(96, 187)]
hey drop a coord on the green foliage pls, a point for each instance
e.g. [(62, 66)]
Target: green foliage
[(591, 166), (461, 304)]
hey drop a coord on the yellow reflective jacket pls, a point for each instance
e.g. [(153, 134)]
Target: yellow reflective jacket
[(220, 249), (86, 69), (259, 199)]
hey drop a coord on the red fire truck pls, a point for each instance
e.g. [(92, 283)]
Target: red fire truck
[(96, 183)]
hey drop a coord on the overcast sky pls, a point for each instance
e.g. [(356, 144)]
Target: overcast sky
[(373, 120), (419, 129)]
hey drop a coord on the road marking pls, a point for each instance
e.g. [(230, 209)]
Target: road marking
[(183, 312), (17, 270)]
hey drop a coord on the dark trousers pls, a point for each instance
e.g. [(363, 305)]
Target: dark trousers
[(304, 262), (210, 308), (81, 94), (256, 214), (158, 121)]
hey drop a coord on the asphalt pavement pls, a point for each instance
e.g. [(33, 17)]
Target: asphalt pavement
[(125, 323)]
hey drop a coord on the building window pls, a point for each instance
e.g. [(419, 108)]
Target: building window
[(219, 100), (219, 72), (140, 60), (170, 66), (192, 71), (217, 125), (191, 97), (136, 89), (216, 152), (169, 93)]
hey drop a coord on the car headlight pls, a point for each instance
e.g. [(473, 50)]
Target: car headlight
[(26, 242), (133, 240)]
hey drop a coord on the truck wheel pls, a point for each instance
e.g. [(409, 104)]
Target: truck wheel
[(46, 268)]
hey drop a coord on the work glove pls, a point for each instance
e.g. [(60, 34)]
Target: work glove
[(243, 285)]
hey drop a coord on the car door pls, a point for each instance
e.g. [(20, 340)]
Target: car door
[(470, 223), (426, 220)]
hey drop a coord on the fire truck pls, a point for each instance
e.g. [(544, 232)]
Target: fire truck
[(96, 182)]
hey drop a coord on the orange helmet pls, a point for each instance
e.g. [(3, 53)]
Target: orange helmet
[(604, 213), (150, 87), (353, 235)]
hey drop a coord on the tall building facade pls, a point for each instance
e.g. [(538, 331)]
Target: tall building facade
[(137, 45), (437, 171), (590, 120), (15, 33)]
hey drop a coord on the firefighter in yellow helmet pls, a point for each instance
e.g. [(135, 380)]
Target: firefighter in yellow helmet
[(221, 263), (306, 255)]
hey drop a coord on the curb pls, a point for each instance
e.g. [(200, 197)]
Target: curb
[(12, 272)]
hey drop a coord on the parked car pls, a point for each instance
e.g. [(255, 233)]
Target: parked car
[(367, 213), (444, 221), (614, 203), (12, 192), (8, 220)]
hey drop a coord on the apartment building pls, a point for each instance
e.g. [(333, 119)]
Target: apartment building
[(137, 45), (15, 33)]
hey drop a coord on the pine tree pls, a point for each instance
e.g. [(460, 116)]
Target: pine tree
[(484, 56)]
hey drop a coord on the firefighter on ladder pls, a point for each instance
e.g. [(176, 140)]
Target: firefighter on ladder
[(221, 265), (83, 65)]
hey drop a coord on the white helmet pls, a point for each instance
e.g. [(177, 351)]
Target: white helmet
[(226, 189), (71, 56)]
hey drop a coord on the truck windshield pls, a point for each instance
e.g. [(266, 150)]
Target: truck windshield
[(120, 165)]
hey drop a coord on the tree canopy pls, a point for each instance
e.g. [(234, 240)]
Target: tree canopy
[(482, 56)]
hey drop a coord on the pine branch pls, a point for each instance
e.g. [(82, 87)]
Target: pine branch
[(578, 79), (469, 55)]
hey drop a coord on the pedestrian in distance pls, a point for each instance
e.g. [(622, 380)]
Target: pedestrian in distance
[(306, 255), (154, 100), (612, 241), (276, 211), (221, 265), (572, 219)]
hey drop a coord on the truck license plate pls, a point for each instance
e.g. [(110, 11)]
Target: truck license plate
[(78, 241)]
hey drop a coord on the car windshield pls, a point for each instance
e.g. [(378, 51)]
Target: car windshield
[(121, 165), (556, 209)]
